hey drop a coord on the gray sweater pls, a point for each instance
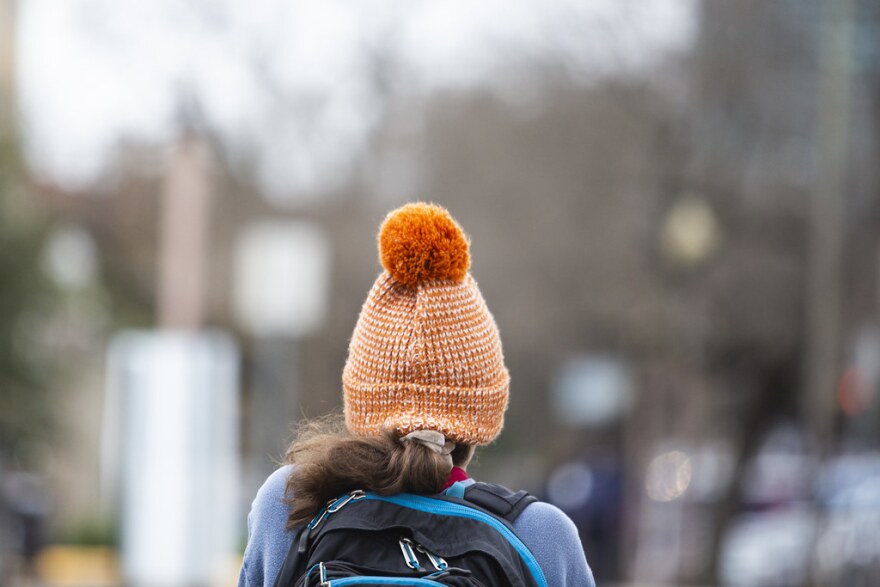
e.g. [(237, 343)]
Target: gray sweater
[(545, 530)]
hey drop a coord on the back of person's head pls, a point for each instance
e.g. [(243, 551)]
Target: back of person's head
[(424, 382)]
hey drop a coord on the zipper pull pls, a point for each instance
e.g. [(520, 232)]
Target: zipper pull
[(332, 507), (345, 500), (437, 561), (409, 554)]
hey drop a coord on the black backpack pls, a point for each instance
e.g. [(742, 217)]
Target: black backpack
[(462, 538)]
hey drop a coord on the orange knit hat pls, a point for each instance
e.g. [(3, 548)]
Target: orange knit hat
[(425, 354)]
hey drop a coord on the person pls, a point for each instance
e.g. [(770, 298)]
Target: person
[(424, 385)]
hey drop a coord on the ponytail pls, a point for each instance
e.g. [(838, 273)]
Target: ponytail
[(329, 461)]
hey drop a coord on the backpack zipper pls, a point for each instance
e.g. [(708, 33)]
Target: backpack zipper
[(409, 547)]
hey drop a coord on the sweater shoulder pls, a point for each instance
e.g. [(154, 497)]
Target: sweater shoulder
[(553, 539), (546, 515), (269, 507), (274, 488), (268, 538)]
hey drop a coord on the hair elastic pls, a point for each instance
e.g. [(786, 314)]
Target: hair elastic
[(433, 440)]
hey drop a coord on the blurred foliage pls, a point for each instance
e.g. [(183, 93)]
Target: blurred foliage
[(93, 530), (26, 298)]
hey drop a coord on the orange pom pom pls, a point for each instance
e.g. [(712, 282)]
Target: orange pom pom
[(421, 242)]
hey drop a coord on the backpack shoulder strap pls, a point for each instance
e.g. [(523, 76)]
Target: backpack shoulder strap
[(290, 569), (499, 500)]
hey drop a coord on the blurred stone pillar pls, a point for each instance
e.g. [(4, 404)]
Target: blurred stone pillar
[(183, 235)]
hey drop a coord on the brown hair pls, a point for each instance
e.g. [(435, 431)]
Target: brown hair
[(329, 461)]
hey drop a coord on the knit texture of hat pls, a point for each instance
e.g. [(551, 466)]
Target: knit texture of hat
[(425, 354)]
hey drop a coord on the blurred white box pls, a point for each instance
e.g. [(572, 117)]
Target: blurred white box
[(281, 275), (171, 454)]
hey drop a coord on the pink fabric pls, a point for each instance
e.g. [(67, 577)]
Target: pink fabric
[(456, 474)]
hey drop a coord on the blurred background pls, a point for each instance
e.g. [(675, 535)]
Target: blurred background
[(675, 214)]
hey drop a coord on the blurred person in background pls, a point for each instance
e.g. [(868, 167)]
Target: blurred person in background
[(424, 384), (26, 500)]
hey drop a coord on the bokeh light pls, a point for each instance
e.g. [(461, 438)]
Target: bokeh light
[(668, 476)]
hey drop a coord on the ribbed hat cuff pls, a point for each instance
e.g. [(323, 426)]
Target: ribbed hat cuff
[(464, 415)]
